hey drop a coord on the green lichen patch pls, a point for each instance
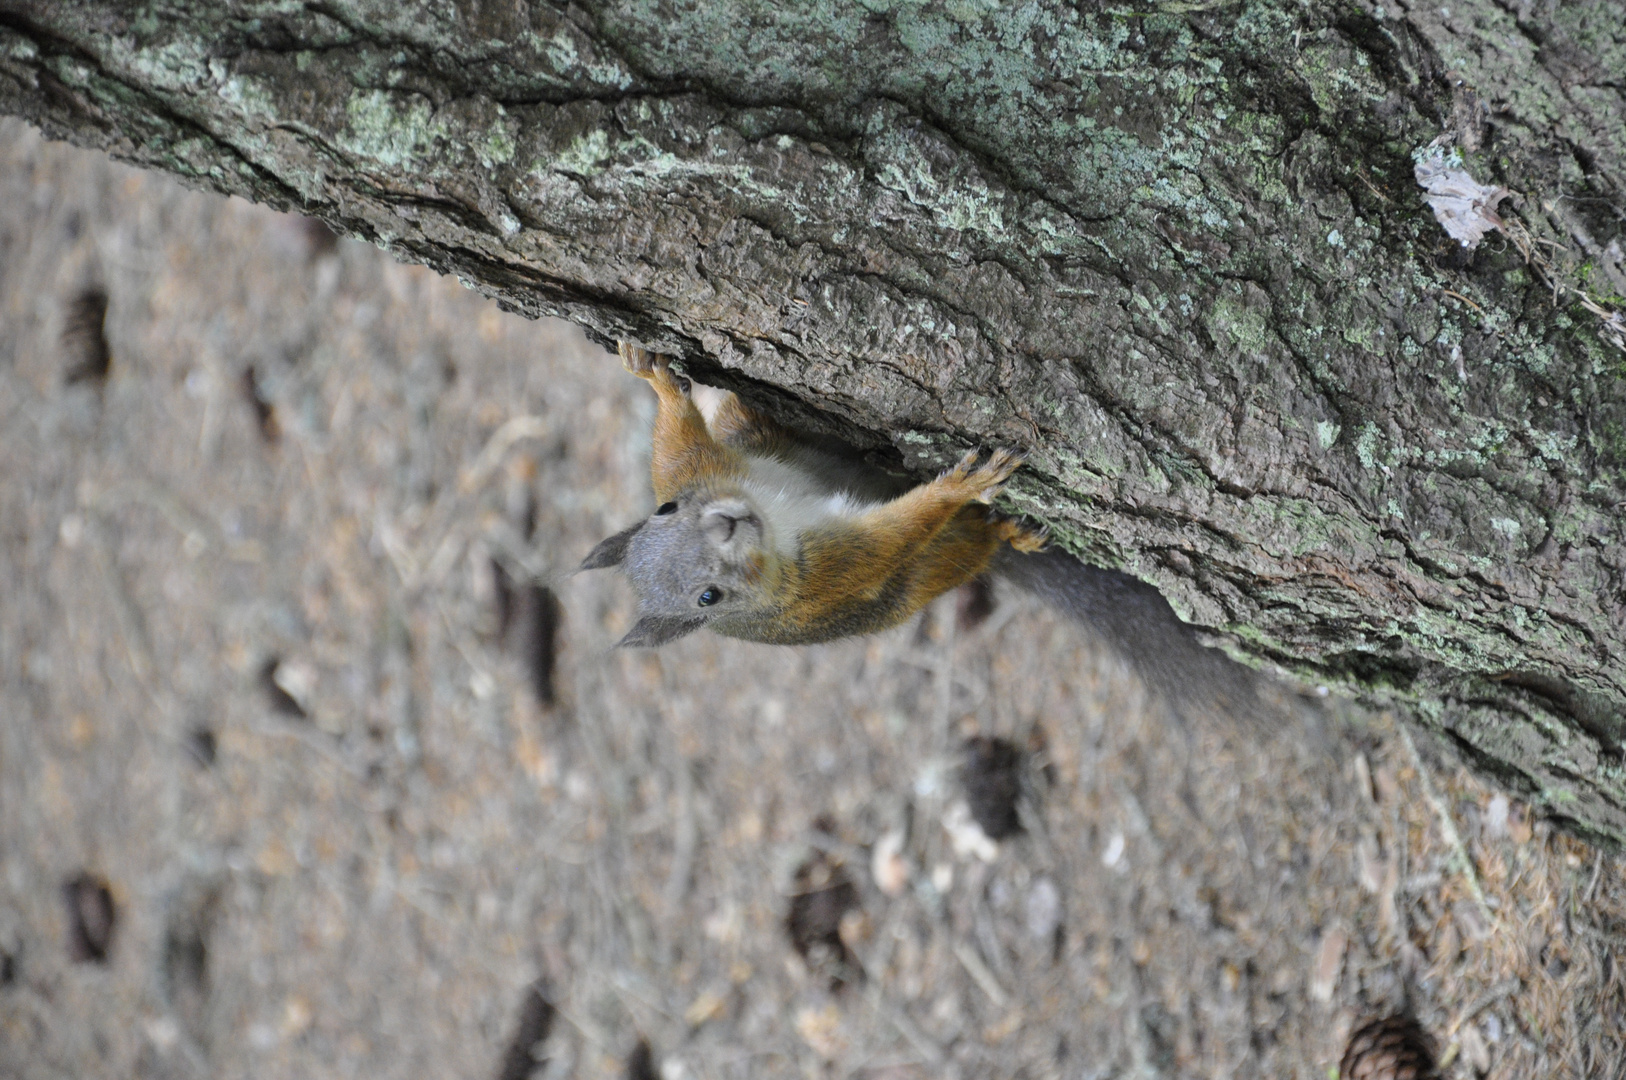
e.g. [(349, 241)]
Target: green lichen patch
[(391, 129)]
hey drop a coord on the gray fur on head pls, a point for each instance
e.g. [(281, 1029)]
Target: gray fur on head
[(699, 560)]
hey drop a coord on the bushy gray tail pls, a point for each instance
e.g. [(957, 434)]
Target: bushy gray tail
[(1133, 619)]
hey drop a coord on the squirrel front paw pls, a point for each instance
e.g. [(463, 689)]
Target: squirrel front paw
[(982, 483), (641, 362), (652, 366), (1022, 537)]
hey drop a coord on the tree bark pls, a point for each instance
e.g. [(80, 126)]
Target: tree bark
[(1175, 251)]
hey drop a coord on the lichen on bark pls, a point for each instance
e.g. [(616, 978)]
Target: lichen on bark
[(1175, 252)]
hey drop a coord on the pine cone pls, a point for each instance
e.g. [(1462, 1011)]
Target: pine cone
[(1393, 1048)]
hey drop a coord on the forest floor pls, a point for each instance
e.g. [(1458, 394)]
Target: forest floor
[(292, 666)]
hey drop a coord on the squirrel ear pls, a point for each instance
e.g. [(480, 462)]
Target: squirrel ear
[(610, 552), (653, 631)]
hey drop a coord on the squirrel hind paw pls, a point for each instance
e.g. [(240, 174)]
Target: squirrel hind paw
[(962, 468), (987, 477), (1002, 464)]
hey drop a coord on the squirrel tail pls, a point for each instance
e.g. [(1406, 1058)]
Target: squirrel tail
[(1134, 620)]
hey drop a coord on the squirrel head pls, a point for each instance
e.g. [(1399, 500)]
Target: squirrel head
[(702, 557)]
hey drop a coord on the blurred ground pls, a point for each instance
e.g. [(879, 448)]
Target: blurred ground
[(273, 670)]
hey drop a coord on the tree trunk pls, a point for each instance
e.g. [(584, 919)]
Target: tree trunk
[(1176, 251)]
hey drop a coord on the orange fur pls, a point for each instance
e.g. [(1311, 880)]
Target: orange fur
[(685, 454)]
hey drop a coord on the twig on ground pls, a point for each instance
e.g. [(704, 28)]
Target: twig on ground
[(1448, 829), (979, 972)]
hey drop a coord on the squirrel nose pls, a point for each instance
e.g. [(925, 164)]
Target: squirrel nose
[(720, 526), (720, 523)]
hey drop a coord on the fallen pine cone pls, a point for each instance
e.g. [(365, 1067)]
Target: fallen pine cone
[(1393, 1048)]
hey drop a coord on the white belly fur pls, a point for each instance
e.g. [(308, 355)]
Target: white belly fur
[(794, 501)]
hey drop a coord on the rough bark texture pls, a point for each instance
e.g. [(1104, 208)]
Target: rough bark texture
[(1176, 254)]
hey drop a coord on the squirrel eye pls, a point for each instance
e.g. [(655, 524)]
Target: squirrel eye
[(665, 508), (710, 596)]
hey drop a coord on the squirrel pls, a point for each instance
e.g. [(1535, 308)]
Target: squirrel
[(761, 535)]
